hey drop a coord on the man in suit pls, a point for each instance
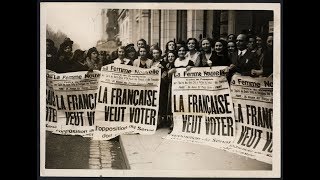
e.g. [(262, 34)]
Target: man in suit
[(243, 60), (268, 60)]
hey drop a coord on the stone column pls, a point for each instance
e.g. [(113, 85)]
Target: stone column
[(144, 21), (209, 23), (168, 26), (162, 30), (130, 28), (195, 23), (172, 25), (231, 22), (134, 33), (155, 28)]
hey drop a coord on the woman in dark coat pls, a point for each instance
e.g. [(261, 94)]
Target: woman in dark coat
[(78, 61), (170, 46), (232, 48), (51, 55), (167, 85), (220, 54), (64, 57), (217, 57), (267, 64)]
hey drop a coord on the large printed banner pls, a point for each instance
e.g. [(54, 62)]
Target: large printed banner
[(253, 100), (51, 105), (127, 101), (71, 102), (123, 99), (202, 107)]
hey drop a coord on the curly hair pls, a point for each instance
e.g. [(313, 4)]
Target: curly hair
[(196, 43), (91, 50)]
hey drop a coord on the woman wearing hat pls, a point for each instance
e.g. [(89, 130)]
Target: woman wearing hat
[(78, 61), (92, 60), (51, 55), (64, 57)]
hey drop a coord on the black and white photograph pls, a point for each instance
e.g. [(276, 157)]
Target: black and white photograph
[(160, 89)]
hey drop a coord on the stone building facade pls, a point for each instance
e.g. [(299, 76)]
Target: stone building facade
[(160, 26)]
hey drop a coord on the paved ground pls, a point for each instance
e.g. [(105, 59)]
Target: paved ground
[(152, 152), (77, 152), (141, 152)]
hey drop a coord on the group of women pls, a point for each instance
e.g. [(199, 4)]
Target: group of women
[(191, 53)]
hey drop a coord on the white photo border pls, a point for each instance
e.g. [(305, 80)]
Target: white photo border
[(276, 161)]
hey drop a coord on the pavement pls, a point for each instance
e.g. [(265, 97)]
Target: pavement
[(153, 152), (77, 152), (66, 152), (141, 152), (106, 155)]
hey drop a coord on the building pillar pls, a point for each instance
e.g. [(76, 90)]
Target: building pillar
[(195, 23), (231, 22), (135, 32), (172, 30), (130, 20), (181, 25), (168, 26), (209, 21), (143, 25), (155, 27), (163, 32)]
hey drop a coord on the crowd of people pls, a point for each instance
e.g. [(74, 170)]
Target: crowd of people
[(246, 54)]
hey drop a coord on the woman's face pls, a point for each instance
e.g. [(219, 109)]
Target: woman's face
[(171, 46), (94, 55), (251, 44), (101, 55), (171, 57), (131, 54), (156, 54), (48, 45), (231, 47), (191, 44), (259, 42), (143, 52), (140, 44), (67, 49), (270, 41), (121, 53), (181, 52), (218, 47), (231, 38), (206, 46)]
